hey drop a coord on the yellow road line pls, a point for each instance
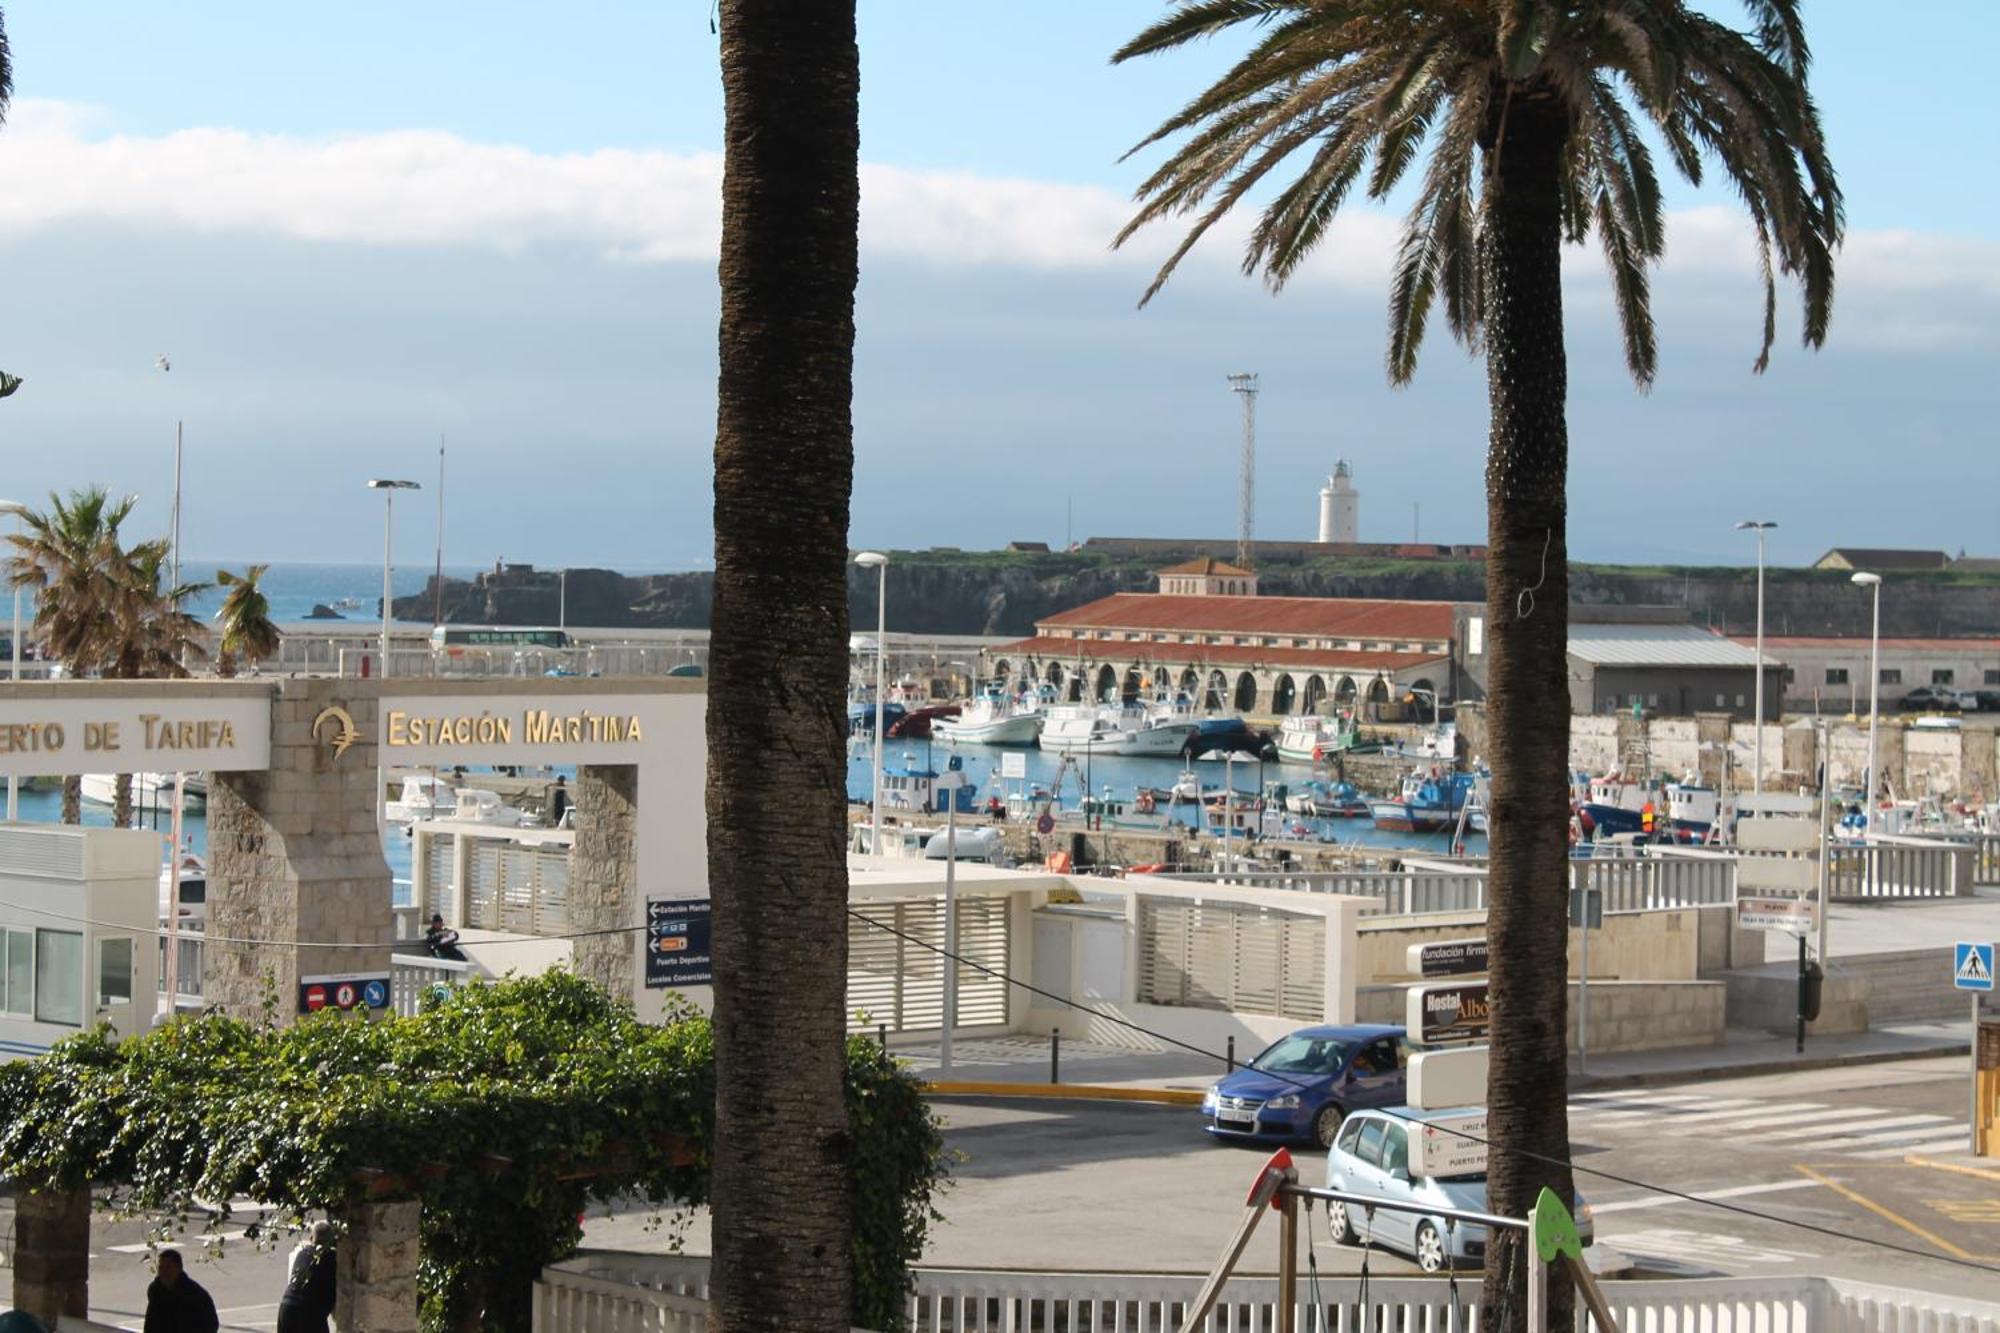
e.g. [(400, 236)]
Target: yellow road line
[(1952, 1166), (1880, 1211), (1069, 1091)]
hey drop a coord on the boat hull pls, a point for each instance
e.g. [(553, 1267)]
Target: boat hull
[(1400, 817), (1166, 740), (1022, 730)]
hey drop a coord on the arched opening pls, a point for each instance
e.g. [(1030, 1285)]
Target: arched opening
[(1378, 695), (1076, 688), (1134, 686), (1218, 690), (1284, 694), (1190, 682), (1055, 674), (1001, 670), (1246, 692), (1427, 703), (1107, 682), (1343, 693), (1315, 693)]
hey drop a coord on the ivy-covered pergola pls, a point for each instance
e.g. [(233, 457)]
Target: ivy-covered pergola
[(457, 1148)]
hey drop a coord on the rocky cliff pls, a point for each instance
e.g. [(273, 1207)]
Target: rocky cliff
[(975, 592)]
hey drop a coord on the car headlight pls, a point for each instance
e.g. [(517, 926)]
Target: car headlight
[(1288, 1102), (1208, 1098), (1584, 1212)]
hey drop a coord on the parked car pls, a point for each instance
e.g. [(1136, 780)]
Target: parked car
[(1303, 1085), (1988, 700), (1371, 1156), (1927, 698)]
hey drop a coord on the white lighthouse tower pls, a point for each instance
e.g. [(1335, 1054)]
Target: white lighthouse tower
[(1339, 507)]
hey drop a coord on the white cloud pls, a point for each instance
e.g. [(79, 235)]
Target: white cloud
[(63, 163)]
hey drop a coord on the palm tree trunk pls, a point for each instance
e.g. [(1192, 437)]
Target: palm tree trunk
[(776, 796), (121, 801), (1527, 700), (72, 800)]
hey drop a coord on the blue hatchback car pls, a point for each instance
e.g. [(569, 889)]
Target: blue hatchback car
[(1303, 1085)]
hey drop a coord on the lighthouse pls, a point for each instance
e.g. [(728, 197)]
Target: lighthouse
[(1339, 506)]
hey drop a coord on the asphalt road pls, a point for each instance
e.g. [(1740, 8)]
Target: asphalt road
[(1087, 1186)]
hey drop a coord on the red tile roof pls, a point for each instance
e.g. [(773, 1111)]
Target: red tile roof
[(1207, 564), (1067, 649), (1318, 617)]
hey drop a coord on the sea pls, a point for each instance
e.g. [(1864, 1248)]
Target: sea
[(293, 589)]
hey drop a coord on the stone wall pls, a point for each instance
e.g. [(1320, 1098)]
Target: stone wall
[(295, 854), (376, 1287), (51, 1254), (603, 876)]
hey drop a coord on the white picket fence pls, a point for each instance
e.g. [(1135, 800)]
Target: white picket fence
[(601, 1292)]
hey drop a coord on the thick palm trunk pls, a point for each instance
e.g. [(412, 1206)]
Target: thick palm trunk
[(121, 801), (784, 461), (72, 800), (1527, 703)]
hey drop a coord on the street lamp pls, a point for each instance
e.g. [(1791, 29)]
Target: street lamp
[(1757, 756), (388, 489), (1873, 581), (878, 562), (17, 509)]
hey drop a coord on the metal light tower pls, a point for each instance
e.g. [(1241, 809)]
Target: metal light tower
[(1245, 384), (1759, 527)]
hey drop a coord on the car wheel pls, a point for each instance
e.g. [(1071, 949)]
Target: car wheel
[(1430, 1248), (1327, 1124), (1337, 1224)]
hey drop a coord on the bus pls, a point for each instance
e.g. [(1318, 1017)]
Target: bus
[(496, 636)]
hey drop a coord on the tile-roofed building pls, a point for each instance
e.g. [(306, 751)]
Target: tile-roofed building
[(1876, 559), (1268, 656)]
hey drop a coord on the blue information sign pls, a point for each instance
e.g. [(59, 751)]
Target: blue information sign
[(1972, 966), (677, 943)]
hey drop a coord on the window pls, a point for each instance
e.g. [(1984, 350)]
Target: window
[(1370, 1150), (1892, 675), (1790, 677), (1396, 1151), (1836, 675), (1652, 701), (1721, 701), (59, 977), (1992, 676), (1941, 676), (19, 986), (1349, 1134), (114, 971), (1741, 699), (1475, 636)]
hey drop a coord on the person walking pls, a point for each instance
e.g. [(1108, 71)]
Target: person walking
[(308, 1299), (175, 1302), (558, 801)]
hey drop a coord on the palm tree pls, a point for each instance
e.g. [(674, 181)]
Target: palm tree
[(70, 558), (1531, 113), (784, 463), (247, 632), (151, 637)]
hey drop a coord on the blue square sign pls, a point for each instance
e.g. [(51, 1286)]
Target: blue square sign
[(1972, 966)]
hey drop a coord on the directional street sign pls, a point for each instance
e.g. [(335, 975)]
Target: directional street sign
[(677, 943), (1775, 912), (1972, 966)]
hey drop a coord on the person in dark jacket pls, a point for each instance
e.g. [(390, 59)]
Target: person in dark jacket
[(176, 1303), (559, 801), (308, 1299)]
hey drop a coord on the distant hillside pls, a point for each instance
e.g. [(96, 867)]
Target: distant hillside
[(1004, 593)]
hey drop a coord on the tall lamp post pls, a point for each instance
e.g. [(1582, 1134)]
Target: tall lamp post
[(388, 489), (1872, 581), (17, 509), (878, 562), (1757, 754)]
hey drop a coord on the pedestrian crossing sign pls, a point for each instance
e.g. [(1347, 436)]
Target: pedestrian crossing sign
[(1972, 966)]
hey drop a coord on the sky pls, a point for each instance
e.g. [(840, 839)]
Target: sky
[(358, 230)]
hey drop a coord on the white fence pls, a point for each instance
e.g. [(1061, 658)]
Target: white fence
[(1890, 868), (611, 1293), (411, 978)]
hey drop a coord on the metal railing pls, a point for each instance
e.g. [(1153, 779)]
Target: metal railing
[(412, 977), (1883, 869), (599, 1291)]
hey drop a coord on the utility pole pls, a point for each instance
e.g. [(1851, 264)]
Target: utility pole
[(1245, 385)]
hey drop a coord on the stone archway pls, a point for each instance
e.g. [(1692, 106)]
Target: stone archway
[(1245, 698), (1190, 683), (1315, 693), (1378, 695), (1107, 682), (1001, 670), (1054, 675), (1217, 694), (1075, 692), (1284, 693), (1344, 692), (1133, 685)]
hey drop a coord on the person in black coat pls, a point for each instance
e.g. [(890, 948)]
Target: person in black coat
[(308, 1299), (176, 1303)]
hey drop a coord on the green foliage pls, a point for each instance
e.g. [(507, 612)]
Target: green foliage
[(505, 1109)]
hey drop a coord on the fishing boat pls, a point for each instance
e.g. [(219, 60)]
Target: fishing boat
[(423, 797), (994, 718), (909, 788), (920, 724), (477, 805), (1614, 804), (1429, 802), (1327, 800), (1119, 729), (1308, 738), (149, 790)]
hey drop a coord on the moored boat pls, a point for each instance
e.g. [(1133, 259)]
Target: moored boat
[(1428, 803), (994, 718), (1128, 729)]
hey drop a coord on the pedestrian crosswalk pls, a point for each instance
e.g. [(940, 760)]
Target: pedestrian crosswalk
[(1865, 1133)]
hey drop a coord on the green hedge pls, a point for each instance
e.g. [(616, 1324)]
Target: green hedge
[(505, 1109)]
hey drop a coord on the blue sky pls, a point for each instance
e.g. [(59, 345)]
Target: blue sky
[(404, 223)]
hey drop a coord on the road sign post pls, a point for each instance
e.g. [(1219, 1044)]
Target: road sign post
[(1972, 971), (1586, 913)]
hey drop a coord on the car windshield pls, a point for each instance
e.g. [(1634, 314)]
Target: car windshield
[(1300, 1054)]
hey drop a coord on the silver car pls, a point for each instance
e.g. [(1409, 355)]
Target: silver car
[(1371, 1156)]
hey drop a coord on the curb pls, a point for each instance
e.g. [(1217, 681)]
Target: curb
[(1760, 1068), (1065, 1091)]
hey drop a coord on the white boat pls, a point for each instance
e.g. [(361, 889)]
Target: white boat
[(1307, 738), (193, 896), (424, 797), (991, 719), (1127, 729), (149, 790), (477, 805)]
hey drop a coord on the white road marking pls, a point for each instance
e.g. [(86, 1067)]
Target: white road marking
[(1957, 1143), (1640, 1097), (1881, 1122), (1930, 1126), (1735, 1192), (205, 1240), (1669, 1243), (1760, 1115)]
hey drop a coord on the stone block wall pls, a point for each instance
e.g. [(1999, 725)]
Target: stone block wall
[(51, 1254), (1650, 1015), (603, 877), (295, 855), (375, 1290)]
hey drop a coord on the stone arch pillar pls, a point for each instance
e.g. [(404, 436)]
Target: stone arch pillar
[(295, 856), (604, 877)]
